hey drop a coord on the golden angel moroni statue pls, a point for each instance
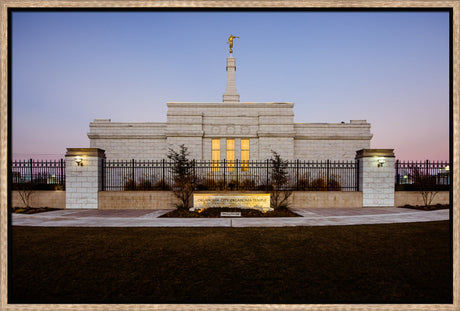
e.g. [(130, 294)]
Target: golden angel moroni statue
[(230, 40)]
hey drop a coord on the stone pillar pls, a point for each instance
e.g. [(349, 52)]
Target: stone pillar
[(83, 179), (376, 177), (231, 95)]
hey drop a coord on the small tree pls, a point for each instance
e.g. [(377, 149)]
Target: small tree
[(279, 195), (426, 185), (184, 177), (25, 190)]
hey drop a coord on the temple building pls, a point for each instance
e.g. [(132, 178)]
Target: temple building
[(230, 130)]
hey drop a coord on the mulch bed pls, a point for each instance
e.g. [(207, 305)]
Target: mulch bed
[(32, 210), (215, 213), (427, 208)]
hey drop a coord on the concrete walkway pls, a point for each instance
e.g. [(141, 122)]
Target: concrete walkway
[(149, 218)]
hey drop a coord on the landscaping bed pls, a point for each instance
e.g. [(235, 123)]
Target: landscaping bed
[(214, 212), (32, 210), (427, 208)]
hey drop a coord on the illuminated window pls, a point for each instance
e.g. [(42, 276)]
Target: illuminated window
[(245, 155), (215, 156), (230, 155)]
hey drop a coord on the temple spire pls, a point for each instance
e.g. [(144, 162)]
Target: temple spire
[(231, 95)]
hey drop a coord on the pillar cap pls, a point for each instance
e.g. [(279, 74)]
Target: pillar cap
[(368, 153), (88, 152)]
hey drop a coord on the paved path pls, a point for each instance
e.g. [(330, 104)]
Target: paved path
[(149, 218)]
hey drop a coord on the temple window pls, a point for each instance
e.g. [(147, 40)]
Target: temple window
[(215, 156), (245, 155), (230, 155)]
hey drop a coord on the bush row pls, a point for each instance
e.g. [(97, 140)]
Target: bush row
[(318, 184)]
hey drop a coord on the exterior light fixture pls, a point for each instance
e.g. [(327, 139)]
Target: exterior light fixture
[(380, 162), (79, 160), (447, 168)]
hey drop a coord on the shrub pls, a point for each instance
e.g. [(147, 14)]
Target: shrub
[(303, 184), (184, 176), (334, 184), (144, 184), (161, 185), (318, 184), (129, 185), (426, 184), (247, 184), (211, 184), (321, 183), (279, 180), (25, 190)]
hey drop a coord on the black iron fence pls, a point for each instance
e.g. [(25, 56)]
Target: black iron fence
[(38, 174), (410, 175), (231, 175)]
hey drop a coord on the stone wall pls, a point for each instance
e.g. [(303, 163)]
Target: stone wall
[(415, 198), (54, 199), (324, 199), (166, 199), (137, 200)]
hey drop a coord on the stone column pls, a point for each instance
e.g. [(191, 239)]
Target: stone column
[(376, 177), (231, 95), (83, 179)]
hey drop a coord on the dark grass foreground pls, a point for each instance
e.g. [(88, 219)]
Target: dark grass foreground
[(395, 263)]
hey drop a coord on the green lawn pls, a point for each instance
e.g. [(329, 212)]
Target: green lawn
[(395, 263)]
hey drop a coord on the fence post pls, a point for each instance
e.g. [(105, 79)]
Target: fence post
[(357, 175), (267, 174), (103, 174), (163, 182), (327, 173), (225, 172), (376, 179), (132, 172), (397, 172), (236, 168), (62, 177), (84, 180), (31, 162), (297, 175)]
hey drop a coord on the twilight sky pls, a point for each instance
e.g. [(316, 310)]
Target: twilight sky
[(389, 68)]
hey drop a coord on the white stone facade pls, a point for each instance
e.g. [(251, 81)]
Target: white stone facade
[(268, 126)]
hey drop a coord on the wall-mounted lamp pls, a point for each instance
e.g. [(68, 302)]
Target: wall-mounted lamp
[(79, 160), (447, 168), (380, 162)]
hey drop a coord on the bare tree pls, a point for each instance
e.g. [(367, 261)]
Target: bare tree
[(25, 190), (426, 185)]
